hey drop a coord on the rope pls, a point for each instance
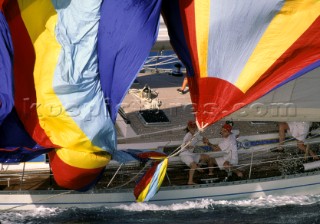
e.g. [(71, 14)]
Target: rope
[(134, 177), (21, 178), (251, 162), (115, 174), (170, 59), (182, 148)]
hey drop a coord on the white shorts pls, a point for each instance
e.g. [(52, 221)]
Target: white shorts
[(221, 160), (299, 130), (188, 159)]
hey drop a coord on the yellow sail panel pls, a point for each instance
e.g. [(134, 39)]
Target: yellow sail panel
[(83, 159), (35, 14), (202, 20), (288, 25)]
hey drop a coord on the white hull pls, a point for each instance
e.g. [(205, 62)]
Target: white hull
[(301, 184)]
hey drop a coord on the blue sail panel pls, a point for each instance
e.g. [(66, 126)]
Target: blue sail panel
[(6, 69), (127, 32)]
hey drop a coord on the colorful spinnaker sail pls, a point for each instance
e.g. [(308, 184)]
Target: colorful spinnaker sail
[(237, 51), (61, 83), (70, 58)]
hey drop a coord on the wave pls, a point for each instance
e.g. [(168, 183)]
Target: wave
[(205, 207), (262, 202)]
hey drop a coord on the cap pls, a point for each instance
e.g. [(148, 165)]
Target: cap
[(228, 127)]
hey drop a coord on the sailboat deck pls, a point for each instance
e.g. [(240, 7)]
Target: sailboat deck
[(178, 109), (264, 165)]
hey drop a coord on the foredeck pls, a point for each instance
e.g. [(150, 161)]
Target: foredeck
[(178, 109)]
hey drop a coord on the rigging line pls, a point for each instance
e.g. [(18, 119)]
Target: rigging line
[(293, 138), (114, 175), (262, 162), (21, 178), (156, 132), (271, 161), (184, 147), (134, 177), (259, 153), (154, 58), (262, 152), (251, 163), (204, 168), (164, 62), (177, 151), (266, 150), (165, 59), (164, 56), (238, 166)]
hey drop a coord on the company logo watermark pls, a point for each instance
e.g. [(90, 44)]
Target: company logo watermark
[(89, 111)]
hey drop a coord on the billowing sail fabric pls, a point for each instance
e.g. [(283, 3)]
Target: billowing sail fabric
[(58, 93), (237, 51), (6, 69), (151, 182), (152, 179), (145, 155), (15, 143), (58, 96), (127, 32)]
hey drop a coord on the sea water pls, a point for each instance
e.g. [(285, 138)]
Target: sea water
[(284, 209)]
